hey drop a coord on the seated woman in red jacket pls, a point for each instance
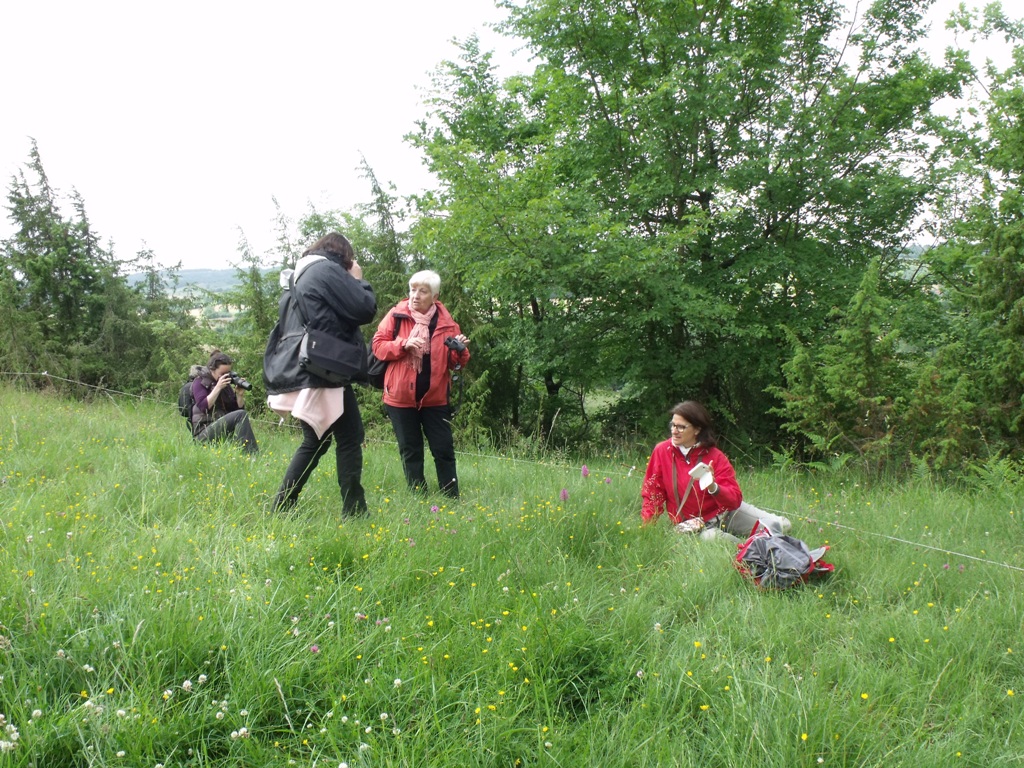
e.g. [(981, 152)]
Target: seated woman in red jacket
[(422, 344), (693, 480), (668, 484)]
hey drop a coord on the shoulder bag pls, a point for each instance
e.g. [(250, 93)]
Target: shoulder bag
[(325, 356)]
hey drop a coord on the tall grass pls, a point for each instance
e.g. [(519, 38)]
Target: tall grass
[(155, 612)]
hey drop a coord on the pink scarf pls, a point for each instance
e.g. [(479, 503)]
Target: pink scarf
[(421, 329)]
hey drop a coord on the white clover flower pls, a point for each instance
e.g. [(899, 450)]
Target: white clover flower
[(219, 715), (368, 729), (344, 719), (88, 668), (28, 539), (398, 682), (61, 654), (547, 745), (640, 673), (121, 713), (36, 714), (396, 731), (342, 765), (657, 626), (243, 712), (267, 583), (186, 686), (202, 679), (363, 746), (383, 716), (120, 753)]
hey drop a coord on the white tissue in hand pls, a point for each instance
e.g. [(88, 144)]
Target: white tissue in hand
[(703, 475)]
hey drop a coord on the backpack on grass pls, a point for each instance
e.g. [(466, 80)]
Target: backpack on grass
[(775, 561), (185, 399)]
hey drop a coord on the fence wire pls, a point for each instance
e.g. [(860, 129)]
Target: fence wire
[(532, 462)]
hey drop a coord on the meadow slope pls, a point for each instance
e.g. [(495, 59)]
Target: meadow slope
[(153, 611)]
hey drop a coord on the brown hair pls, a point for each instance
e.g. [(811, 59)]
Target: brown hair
[(334, 244), (217, 359), (697, 416)]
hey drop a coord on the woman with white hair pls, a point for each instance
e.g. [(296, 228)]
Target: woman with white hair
[(422, 344)]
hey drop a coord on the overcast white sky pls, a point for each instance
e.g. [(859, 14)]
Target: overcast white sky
[(179, 122)]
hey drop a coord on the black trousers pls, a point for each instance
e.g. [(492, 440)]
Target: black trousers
[(235, 425), (347, 434), (411, 425)]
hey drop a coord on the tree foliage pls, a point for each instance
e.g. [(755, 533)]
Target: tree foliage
[(675, 185), (68, 309)]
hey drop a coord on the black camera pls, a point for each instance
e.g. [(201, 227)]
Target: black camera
[(238, 381), (454, 344)]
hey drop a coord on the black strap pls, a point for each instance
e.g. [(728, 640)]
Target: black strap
[(456, 376)]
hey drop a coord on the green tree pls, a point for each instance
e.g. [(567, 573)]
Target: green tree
[(70, 310), (979, 267), (674, 185)]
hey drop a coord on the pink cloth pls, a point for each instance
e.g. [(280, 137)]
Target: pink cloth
[(317, 406), (420, 330)]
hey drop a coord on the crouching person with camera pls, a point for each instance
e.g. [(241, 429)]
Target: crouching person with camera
[(218, 410), (422, 344)]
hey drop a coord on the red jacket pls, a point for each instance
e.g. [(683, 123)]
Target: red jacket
[(658, 493), (400, 378)]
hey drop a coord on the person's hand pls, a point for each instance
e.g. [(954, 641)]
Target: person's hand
[(705, 478), (462, 338), (223, 382), (415, 342), (693, 525), (355, 270)]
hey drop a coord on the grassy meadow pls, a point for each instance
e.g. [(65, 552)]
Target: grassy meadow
[(154, 612)]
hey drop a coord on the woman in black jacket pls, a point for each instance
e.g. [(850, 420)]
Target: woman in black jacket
[(335, 300)]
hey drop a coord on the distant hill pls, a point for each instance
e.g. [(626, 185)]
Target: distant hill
[(215, 280)]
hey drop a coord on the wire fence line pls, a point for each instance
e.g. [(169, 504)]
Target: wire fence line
[(282, 422), (549, 465)]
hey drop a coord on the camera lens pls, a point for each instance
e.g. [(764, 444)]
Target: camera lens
[(238, 381)]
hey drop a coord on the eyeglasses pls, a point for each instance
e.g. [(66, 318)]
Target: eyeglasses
[(673, 427)]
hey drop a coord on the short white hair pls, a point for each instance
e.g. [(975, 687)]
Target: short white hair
[(428, 278)]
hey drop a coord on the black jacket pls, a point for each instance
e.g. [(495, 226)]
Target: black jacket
[(335, 303)]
